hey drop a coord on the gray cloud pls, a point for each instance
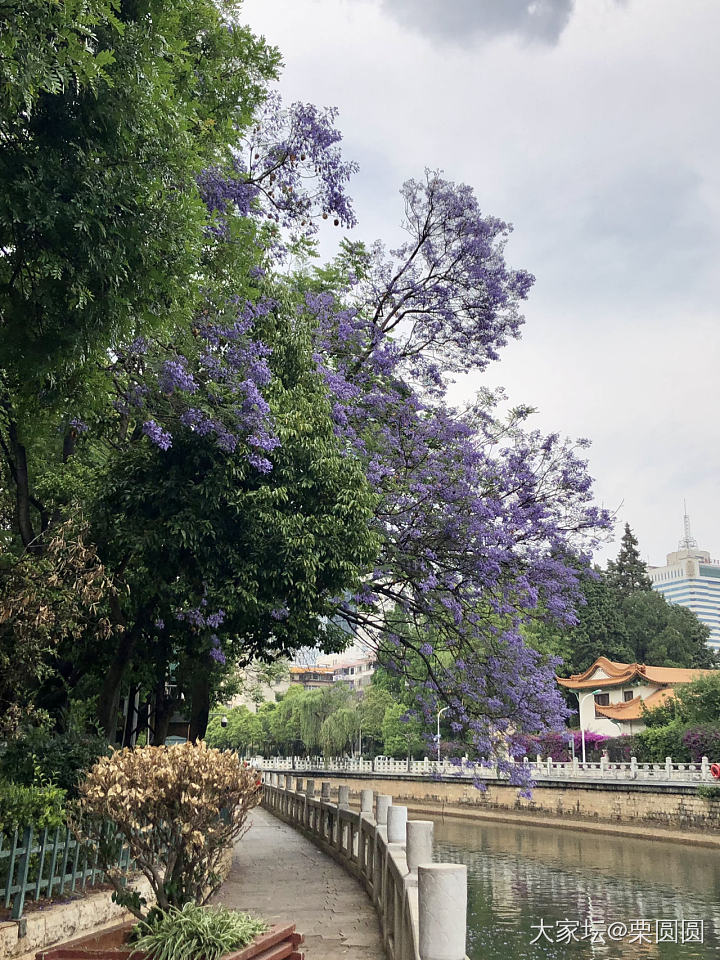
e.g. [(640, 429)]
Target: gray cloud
[(462, 21)]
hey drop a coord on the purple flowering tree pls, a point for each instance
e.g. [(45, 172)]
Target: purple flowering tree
[(477, 514)]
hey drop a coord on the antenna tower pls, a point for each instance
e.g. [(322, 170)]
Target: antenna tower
[(688, 542)]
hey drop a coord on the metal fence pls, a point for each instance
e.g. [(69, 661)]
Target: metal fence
[(50, 863), (540, 769)]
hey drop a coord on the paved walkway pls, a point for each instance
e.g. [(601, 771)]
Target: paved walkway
[(278, 874)]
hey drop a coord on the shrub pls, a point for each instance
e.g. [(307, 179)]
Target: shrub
[(702, 742), (194, 931), (38, 756), (177, 808), (656, 743), (621, 749), (36, 807), (709, 791), (556, 745)]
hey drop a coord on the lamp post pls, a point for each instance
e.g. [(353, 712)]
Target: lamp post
[(594, 693), (440, 713)]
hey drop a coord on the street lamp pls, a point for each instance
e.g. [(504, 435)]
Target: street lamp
[(582, 728), (440, 713)]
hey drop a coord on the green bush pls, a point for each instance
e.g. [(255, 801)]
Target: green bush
[(709, 791), (195, 931), (38, 756), (656, 743), (39, 807)]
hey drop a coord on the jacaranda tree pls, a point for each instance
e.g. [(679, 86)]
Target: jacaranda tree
[(261, 451)]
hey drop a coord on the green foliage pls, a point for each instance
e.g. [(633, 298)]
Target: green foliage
[(628, 574), (109, 111), (40, 756), (657, 743), (193, 931), (625, 620), (24, 806), (402, 735), (372, 708), (699, 701), (339, 731), (709, 791), (243, 732)]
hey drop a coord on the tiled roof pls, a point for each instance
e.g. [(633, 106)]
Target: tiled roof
[(632, 709), (623, 673)]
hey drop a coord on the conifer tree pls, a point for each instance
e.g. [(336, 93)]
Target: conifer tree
[(628, 573)]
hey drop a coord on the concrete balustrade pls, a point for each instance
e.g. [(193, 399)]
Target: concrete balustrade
[(421, 905), (397, 818), (382, 802), (442, 900), (541, 769), (419, 848)]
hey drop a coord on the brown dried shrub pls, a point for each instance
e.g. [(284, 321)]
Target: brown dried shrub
[(177, 808)]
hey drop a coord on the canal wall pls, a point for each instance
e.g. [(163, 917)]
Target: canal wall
[(612, 806)]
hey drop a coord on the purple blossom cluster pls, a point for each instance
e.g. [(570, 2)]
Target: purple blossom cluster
[(289, 171), (218, 393)]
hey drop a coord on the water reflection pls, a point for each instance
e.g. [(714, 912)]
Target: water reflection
[(520, 876)]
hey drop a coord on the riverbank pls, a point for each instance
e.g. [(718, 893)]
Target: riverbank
[(674, 813)]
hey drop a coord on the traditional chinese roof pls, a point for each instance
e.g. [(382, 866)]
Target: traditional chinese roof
[(633, 709), (620, 674)]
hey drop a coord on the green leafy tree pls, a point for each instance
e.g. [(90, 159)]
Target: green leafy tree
[(402, 733), (375, 702)]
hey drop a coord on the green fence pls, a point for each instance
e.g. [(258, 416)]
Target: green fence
[(51, 863)]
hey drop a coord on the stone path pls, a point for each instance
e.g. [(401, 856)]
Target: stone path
[(278, 874)]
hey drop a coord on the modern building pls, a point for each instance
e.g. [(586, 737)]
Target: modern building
[(354, 667), (690, 578), (611, 695)]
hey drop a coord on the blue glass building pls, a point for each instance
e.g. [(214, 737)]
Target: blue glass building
[(691, 579)]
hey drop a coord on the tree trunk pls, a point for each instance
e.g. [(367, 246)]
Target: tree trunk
[(22, 486), (163, 708), (199, 702), (109, 703)]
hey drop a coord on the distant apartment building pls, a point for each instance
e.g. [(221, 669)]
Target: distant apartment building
[(312, 678), (690, 578), (354, 667)]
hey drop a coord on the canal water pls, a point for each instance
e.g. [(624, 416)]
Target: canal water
[(583, 895)]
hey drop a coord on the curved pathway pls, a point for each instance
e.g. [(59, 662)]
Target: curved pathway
[(277, 874)]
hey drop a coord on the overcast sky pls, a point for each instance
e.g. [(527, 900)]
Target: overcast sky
[(593, 127)]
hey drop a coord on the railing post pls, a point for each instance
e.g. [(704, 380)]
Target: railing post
[(442, 902), (705, 768), (396, 823), (325, 790), (419, 843), (633, 768), (668, 768), (310, 789), (343, 795), (298, 784), (19, 900), (381, 808), (366, 801)]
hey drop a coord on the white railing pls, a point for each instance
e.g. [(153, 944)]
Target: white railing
[(421, 905), (540, 769)]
